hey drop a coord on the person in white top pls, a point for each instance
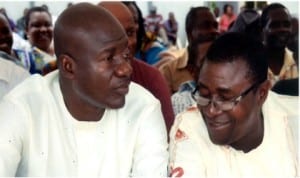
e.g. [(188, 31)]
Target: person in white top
[(238, 128), (85, 119), (10, 76)]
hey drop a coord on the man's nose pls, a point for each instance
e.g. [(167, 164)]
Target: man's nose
[(124, 68), (212, 110)]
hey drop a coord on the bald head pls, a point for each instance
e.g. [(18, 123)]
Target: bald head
[(83, 25)]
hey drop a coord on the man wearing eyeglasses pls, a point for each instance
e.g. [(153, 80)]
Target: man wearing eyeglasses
[(238, 128)]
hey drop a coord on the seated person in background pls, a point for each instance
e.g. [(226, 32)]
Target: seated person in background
[(239, 128), (10, 76), (151, 49), (227, 18), (154, 25), (171, 28), (143, 74), (148, 46), (200, 24), (6, 41), (39, 31), (86, 119), (153, 21), (248, 21), (276, 30), (182, 99)]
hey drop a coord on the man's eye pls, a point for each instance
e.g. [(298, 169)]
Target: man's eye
[(130, 32), (226, 98), (109, 58), (204, 93), (126, 56)]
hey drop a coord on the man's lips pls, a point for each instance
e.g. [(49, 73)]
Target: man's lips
[(123, 88), (217, 124)]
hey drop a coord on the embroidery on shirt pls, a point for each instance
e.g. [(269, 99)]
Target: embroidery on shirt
[(192, 108), (177, 172), (180, 135)]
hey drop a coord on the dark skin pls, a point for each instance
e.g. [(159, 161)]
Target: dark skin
[(276, 35), (242, 126), (205, 27), (94, 67), (39, 31), (6, 39), (123, 14)]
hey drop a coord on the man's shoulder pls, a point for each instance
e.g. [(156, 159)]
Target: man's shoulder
[(189, 120), (189, 126), (285, 104), (177, 58), (10, 69), (34, 87)]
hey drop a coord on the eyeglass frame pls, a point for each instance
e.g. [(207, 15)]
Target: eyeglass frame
[(218, 104)]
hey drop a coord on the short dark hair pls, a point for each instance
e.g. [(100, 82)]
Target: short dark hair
[(192, 16), (32, 10), (233, 46), (225, 8), (265, 13)]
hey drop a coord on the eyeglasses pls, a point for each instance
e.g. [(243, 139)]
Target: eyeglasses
[(221, 105)]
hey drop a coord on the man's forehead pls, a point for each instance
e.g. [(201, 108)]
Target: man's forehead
[(226, 68), (223, 74)]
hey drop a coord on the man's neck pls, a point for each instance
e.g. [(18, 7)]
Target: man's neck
[(80, 109), (253, 139)]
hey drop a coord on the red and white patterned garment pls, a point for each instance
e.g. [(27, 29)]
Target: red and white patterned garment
[(192, 154)]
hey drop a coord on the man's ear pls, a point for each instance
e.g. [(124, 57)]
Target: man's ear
[(67, 66), (263, 91)]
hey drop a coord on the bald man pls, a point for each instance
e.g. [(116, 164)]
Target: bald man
[(143, 74), (87, 119)]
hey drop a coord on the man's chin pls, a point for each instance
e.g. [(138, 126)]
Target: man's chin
[(117, 104), (218, 141)]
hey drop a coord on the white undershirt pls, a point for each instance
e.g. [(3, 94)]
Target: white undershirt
[(90, 139)]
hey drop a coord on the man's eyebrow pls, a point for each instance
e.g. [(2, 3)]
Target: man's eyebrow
[(224, 90), (104, 42)]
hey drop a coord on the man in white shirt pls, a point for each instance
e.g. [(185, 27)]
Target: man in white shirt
[(239, 128), (86, 119)]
